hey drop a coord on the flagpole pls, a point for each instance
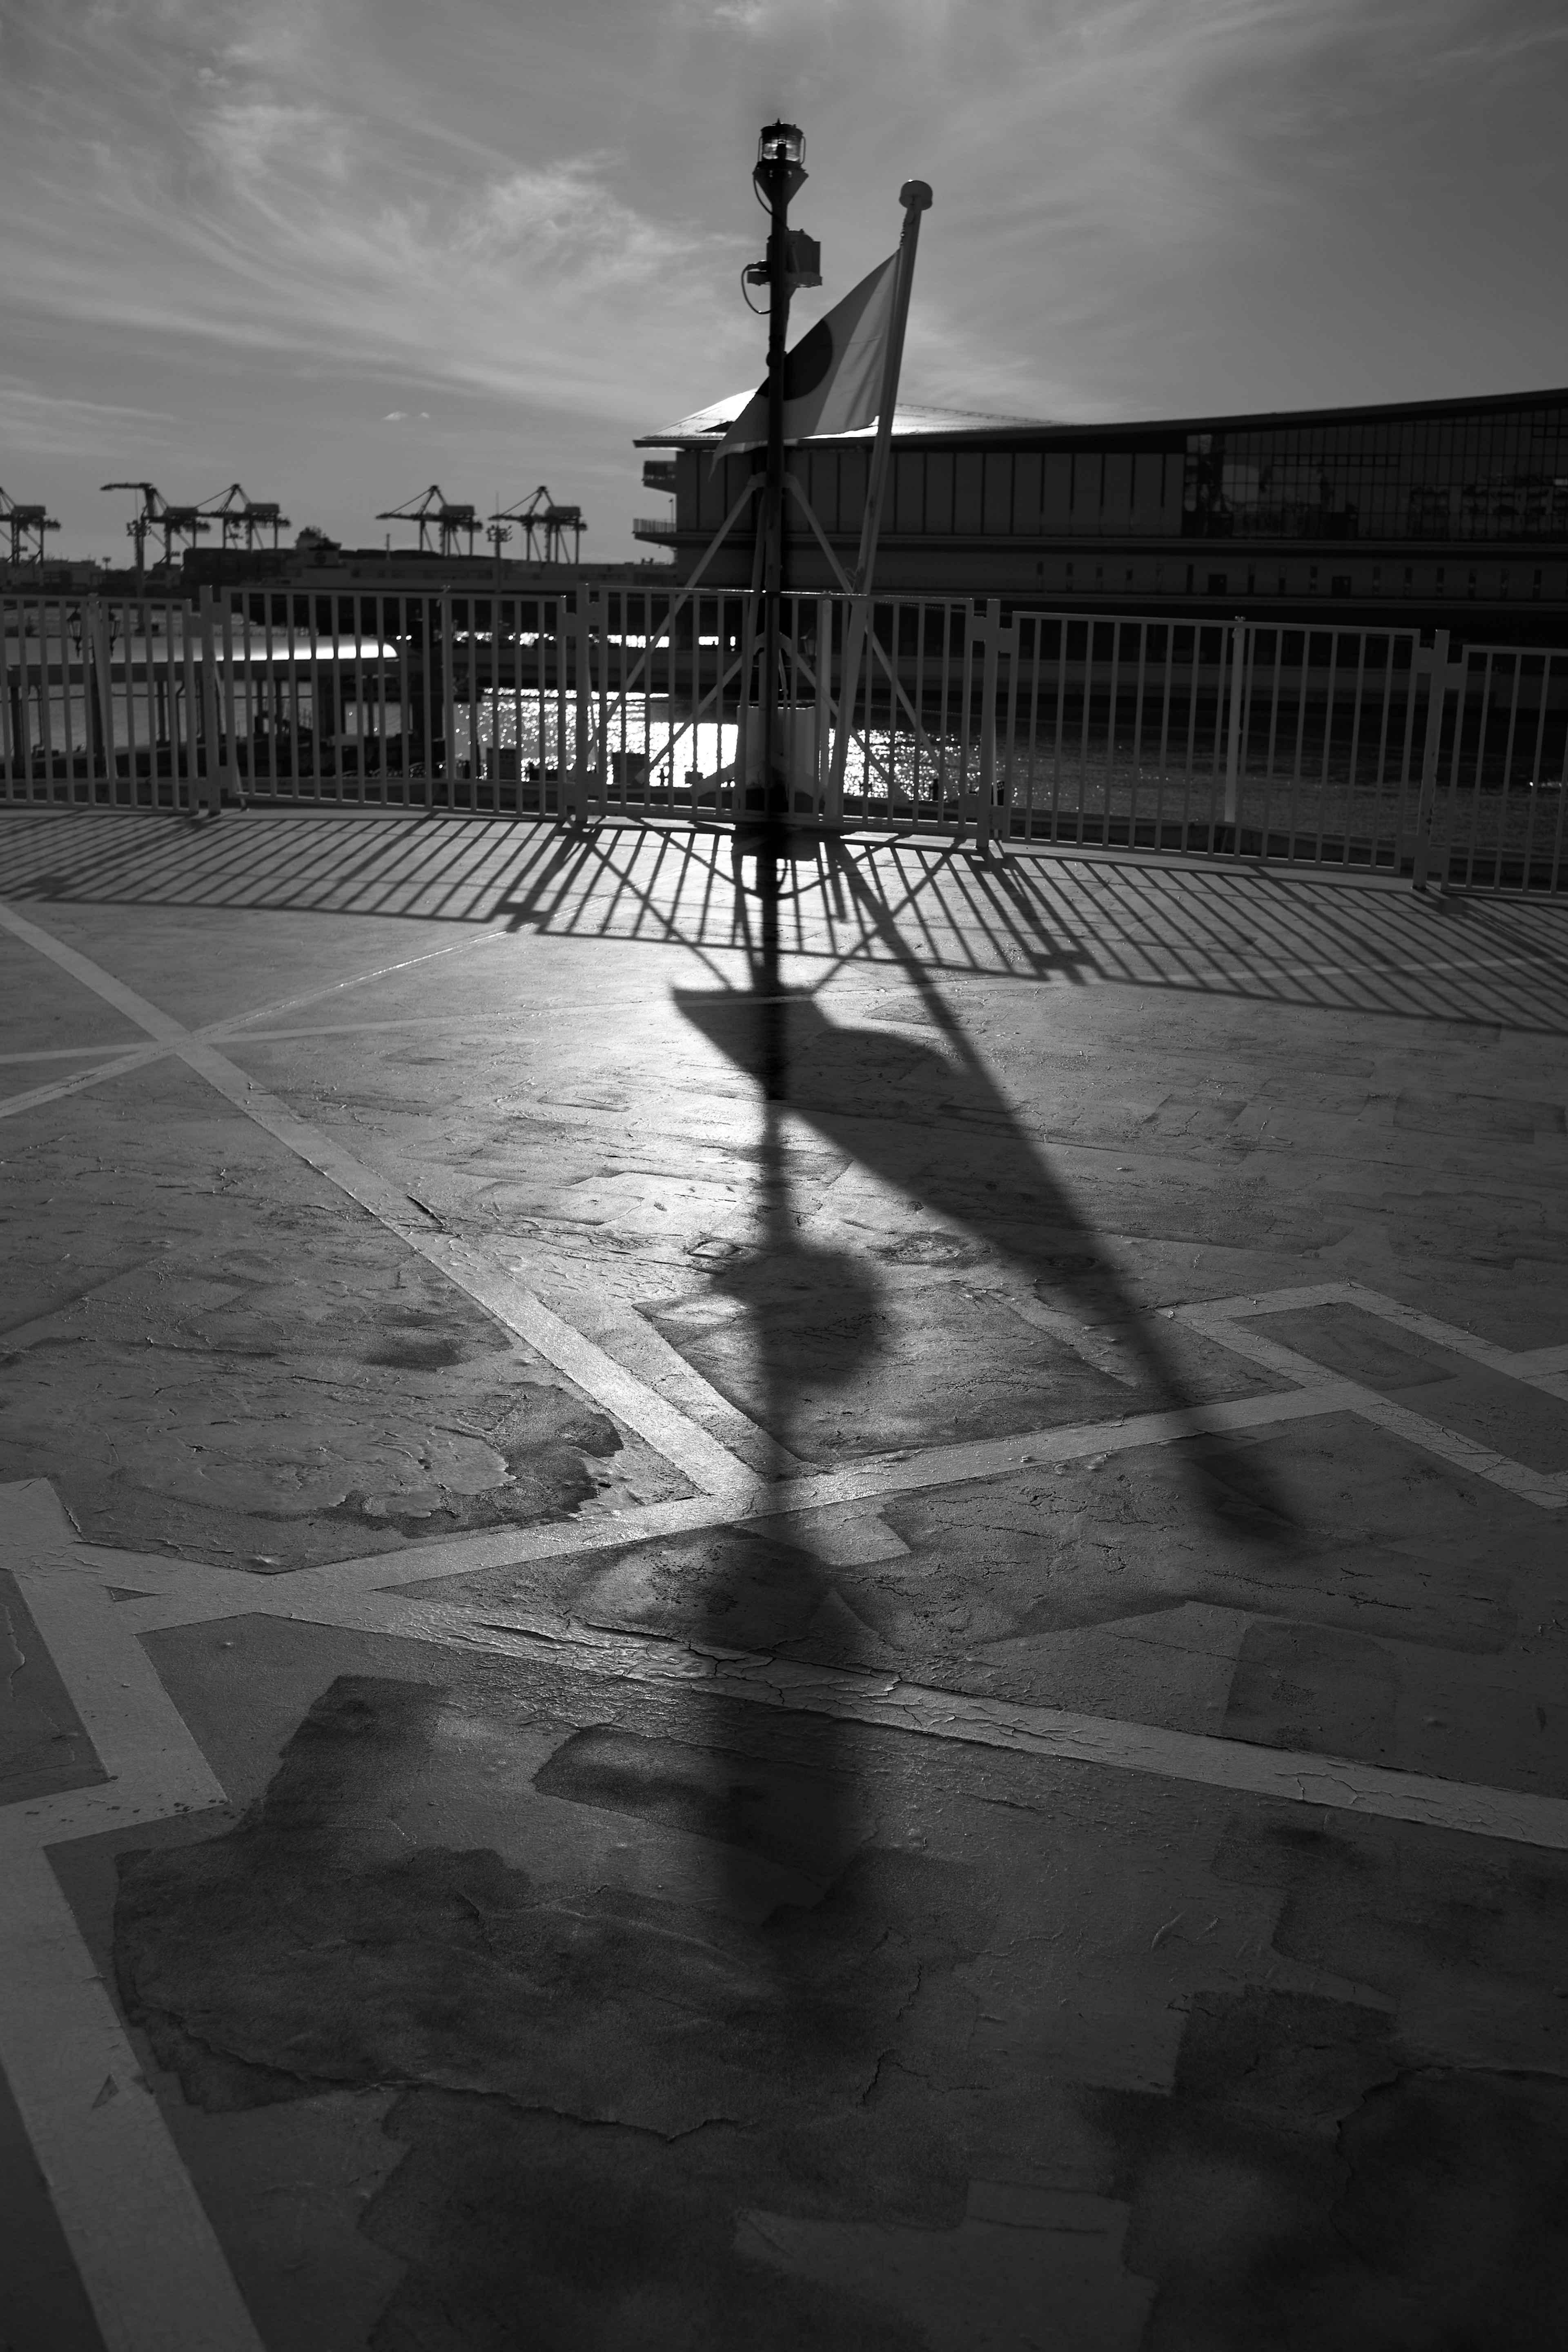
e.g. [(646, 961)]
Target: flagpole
[(778, 176), (915, 197)]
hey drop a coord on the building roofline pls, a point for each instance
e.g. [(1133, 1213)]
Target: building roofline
[(1012, 430)]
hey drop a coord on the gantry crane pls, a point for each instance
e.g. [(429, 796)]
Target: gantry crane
[(26, 523), (157, 514), (542, 521), (242, 520), (434, 513)]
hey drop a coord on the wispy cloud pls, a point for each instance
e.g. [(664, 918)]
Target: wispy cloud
[(52, 425), (205, 196), (541, 215)]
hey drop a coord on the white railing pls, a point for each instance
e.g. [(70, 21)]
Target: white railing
[(1347, 748)]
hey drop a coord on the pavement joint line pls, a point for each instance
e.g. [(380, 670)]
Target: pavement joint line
[(1518, 1364), (662, 1368), (237, 1021), (708, 1464), (139, 1056), (1219, 1320), (56, 1089), (849, 1488), (68, 1052), (116, 2178), (886, 1700), (751, 1501), (114, 1686), (756, 1502), (699, 1457), (120, 2181)]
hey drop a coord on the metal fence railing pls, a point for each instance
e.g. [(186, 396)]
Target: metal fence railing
[(1350, 748)]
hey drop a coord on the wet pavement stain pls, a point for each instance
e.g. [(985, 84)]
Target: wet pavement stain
[(538, 2231), (1384, 2168), (599, 2082), (259, 1385), (1300, 2186), (786, 1814), (1466, 1939)]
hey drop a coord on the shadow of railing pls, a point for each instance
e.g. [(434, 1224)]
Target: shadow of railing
[(1237, 932)]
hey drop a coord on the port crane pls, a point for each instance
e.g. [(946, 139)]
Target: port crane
[(544, 526), (242, 519), (441, 524), (157, 515), (24, 524)]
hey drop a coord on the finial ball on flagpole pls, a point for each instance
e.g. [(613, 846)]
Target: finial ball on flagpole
[(915, 195)]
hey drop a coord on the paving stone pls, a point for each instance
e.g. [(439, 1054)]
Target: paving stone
[(492, 1987)]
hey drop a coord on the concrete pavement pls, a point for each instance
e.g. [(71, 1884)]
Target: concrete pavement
[(854, 1644)]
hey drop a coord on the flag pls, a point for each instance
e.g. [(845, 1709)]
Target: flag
[(833, 378)]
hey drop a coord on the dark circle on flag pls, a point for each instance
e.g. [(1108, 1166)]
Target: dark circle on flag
[(808, 364)]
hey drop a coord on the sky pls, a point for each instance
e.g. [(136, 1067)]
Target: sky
[(339, 249)]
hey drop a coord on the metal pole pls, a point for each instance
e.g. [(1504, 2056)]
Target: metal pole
[(915, 197), (770, 519)]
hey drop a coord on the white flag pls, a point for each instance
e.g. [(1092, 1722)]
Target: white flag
[(833, 378)]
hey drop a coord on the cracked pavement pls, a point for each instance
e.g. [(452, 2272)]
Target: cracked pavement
[(842, 1640)]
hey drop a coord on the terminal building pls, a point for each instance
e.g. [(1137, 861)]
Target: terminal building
[(1451, 513)]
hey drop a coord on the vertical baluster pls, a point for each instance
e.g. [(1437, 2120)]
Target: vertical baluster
[(46, 698), (1505, 786), (1380, 771), (1195, 638), (1533, 780), (1168, 643), (1557, 878), (1141, 629)]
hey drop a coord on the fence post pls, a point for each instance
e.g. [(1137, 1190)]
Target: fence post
[(8, 701), (226, 602), (581, 643), (601, 670), (996, 637), (195, 732), (100, 693), (449, 703), (822, 764), (215, 765), (14, 765), (1233, 747), (1436, 665), (987, 630)]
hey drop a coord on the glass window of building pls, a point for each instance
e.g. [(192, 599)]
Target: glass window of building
[(1487, 474)]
